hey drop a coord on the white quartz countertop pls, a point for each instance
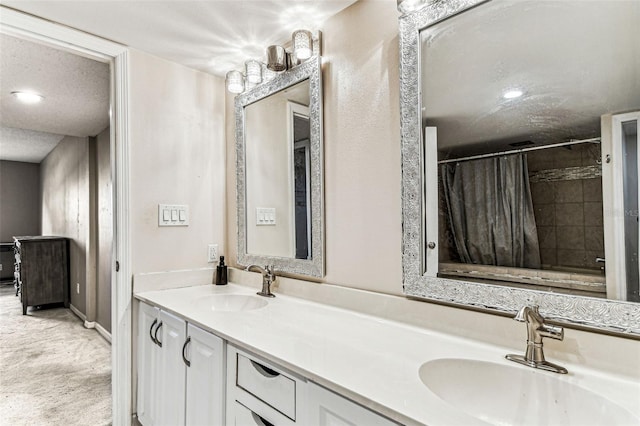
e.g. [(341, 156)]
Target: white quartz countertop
[(372, 361)]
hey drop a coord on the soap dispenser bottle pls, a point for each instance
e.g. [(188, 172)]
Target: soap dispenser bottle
[(221, 272)]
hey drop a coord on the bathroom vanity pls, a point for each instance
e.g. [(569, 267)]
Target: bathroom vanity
[(231, 357)]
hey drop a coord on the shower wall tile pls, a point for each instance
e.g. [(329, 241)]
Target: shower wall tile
[(547, 237), (568, 191), (570, 237), (545, 214), (571, 257), (565, 157), (549, 257), (593, 215), (543, 193), (594, 238), (592, 189), (569, 214)]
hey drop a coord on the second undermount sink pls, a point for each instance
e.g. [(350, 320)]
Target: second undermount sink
[(231, 302), (505, 395)]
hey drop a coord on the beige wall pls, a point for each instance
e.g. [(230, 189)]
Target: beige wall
[(105, 229), (64, 184), (19, 201), (177, 154), (362, 150)]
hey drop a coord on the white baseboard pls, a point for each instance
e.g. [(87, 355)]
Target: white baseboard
[(103, 332), (79, 314), (91, 324)]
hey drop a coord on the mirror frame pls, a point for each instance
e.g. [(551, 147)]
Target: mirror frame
[(605, 316), (311, 70)]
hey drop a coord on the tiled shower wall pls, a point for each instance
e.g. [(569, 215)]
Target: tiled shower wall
[(568, 207)]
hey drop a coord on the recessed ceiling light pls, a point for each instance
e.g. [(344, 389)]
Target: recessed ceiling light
[(27, 97), (512, 94)]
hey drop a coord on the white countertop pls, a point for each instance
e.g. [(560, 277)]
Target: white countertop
[(373, 361)]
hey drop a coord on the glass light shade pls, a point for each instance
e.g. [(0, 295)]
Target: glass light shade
[(235, 82), (268, 75), (253, 71), (276, 58), (408, 6), (302, 42)]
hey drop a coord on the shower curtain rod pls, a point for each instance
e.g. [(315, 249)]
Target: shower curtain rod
[(518, 151)]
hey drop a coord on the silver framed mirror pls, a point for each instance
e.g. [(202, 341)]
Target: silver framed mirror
[(279, 166), (419, 167)]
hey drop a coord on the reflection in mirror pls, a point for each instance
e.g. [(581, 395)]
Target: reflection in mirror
[(519, 184), (279, 171), (277, 175)]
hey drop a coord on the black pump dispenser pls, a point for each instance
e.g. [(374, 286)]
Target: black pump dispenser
[(221, 272)]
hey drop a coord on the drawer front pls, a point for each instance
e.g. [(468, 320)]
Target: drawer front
[(270, 386), (246, 417)]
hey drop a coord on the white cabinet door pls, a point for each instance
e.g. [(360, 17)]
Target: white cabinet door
[(172, 371), (329, 409), (148, 358), (204, 353)]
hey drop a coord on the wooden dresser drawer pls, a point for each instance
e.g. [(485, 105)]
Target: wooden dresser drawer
[(267, 384)]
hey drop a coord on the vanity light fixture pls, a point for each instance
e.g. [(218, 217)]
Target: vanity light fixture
[(27, 97), (303, 45), (235, 82), (408, 6), (253, 71), (302, 42), (512, 93)]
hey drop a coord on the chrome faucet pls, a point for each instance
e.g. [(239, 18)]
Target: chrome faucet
[(268, 277), (536, 330)]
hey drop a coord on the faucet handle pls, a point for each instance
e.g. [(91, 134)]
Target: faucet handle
[(521, 316)]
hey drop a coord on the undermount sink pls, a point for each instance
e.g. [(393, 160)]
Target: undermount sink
[(231, 302), (505, 395)]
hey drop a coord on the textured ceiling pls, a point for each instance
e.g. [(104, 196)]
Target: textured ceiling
[(76, 103), (574, 60), (210, 35)]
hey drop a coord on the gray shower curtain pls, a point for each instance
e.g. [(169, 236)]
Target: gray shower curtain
[(490, 211)]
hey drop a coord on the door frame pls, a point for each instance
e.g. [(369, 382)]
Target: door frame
[(24, 26), (613, 202)]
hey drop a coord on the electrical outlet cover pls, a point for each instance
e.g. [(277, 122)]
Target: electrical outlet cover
[(212, 254)]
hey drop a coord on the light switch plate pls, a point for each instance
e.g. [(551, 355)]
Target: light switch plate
[(265, 216), (173, 215)]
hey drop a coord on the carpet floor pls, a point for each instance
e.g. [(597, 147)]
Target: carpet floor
[(53, 371)]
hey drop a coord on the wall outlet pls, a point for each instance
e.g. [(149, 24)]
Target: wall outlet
[(78, 288), (0, 266), (212, 253)]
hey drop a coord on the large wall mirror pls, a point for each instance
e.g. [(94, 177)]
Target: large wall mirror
[(280, 172), (520, 164)]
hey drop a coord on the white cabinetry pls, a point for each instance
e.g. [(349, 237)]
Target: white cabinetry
[(180, 371), (329, 409), (205, 378), (260, 393)]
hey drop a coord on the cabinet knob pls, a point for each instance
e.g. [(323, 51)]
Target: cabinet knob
[(431, 245)]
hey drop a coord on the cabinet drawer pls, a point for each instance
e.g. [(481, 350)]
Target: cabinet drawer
[(267, 384), (246, 417)]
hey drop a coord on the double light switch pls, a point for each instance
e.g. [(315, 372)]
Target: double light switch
[(173, 215)]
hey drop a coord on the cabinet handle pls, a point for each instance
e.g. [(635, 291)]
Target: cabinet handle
[(184, 348), (153, 339), (158, 342), (259, 420), (265, 371)]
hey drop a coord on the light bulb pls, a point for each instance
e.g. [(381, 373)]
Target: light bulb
[(302, 44)]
